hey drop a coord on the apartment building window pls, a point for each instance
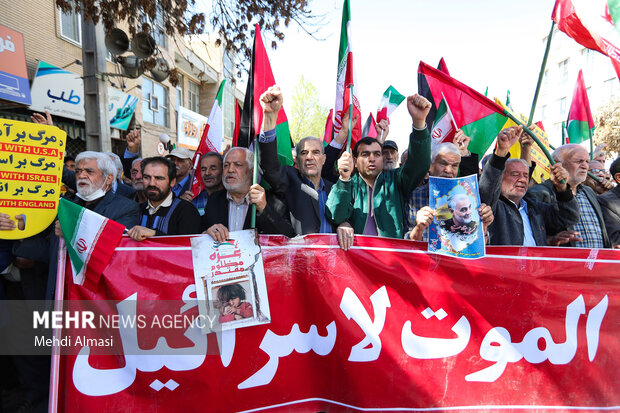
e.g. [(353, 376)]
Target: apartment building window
[(543, 113), (194, 96), (609, 87), (588, 56), (159, 31), (180, 92), (546, 78), (71, 26), (562, 103), (154, 102), (563, 65)]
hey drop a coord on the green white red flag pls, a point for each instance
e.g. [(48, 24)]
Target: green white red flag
[(444, 127), (478, 116), (212, 138), (389, 102), (90, 239), (580, 123), (260, 79), (591, 23), (346, 77)]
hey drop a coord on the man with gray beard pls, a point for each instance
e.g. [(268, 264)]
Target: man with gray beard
[(94, 173), (229, 209)]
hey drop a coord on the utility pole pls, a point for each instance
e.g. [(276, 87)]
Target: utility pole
[(95, 88)]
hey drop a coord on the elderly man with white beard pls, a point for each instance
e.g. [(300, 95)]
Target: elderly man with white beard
[(230, 209), (94, 173)]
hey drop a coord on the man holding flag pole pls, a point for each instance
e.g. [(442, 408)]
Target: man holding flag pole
[(372, 200)]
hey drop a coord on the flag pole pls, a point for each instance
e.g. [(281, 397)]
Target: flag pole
[(350, 117), (532, 135), (542, 73), (591, 144)]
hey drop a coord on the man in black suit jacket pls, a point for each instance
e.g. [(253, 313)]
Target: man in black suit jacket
[(303, 187), (610, 206), (230, 209), (94, 172)]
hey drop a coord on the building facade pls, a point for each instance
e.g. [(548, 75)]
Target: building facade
[(566, 58), (55, 38)]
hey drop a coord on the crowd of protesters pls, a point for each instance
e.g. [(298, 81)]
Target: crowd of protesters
[(328, 190)]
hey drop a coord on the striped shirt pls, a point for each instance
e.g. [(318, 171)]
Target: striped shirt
[(588, 225)]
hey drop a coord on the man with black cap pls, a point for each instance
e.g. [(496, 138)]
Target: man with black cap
[(390, 155)]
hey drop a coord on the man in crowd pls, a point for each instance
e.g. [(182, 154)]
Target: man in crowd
[(163, 213), (302, 186), (118, 186), (70, 163), (589, 231), (230, 209), (182, 158), (446, 160), (610, 205), (136, 181), (372, 201), (602, 183), (390, 155), (519, 219), (211, 175)]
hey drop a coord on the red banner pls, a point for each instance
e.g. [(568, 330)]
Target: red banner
[(383, 326)]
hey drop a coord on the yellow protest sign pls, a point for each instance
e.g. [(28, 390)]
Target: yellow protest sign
[(31, 162), (541, 173)]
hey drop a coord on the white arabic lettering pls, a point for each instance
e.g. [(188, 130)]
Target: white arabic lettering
[(352, 307), (281, 346)]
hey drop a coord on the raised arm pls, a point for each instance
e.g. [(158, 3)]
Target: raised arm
[(419, 160), (273, 171)]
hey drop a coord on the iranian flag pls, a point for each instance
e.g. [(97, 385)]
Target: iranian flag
[(580, 123), (389, 102), (591, 24), (346, 77), (259, 80), (90, 239), (212, 138), (444, 127), (478, 116)]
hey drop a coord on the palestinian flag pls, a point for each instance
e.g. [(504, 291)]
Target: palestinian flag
[(591, 24), (369, 127), (424, 90), (443, 67), (90, 239), (478, 117), (260, 79), (389, 102), (444, 127), (346, 77), (580, 123), (564, 134), (211, 140)]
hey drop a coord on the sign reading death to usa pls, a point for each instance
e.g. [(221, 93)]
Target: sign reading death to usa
[(31, 161)]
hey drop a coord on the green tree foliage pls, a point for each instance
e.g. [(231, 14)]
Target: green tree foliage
[(307, 115)]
